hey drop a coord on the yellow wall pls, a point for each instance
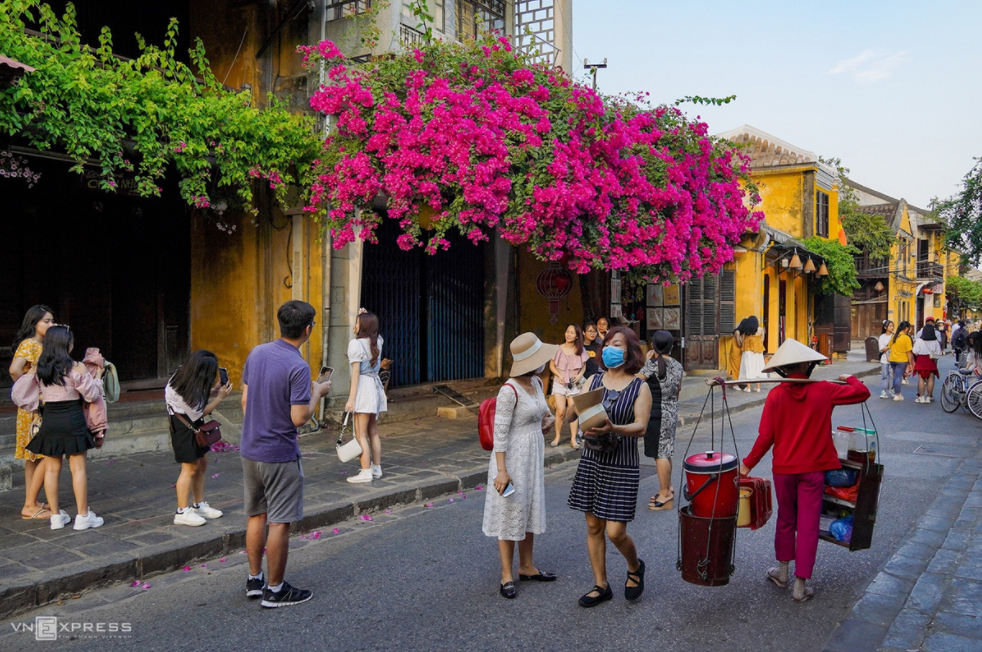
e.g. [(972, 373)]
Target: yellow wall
[(781, 200), (534, 308), (902, 308)]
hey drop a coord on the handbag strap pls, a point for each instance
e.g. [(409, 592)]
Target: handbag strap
[(344, 427), (187, 423)]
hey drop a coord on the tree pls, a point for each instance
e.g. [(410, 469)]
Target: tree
[(869, 233), (963, 293), (962, 215), (840, 264)]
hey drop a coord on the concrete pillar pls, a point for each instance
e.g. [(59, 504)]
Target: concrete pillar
[(563, 21)]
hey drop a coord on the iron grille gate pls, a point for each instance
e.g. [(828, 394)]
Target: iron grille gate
[(430, 308)]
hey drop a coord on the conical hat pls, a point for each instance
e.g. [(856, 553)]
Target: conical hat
[(793, 352)]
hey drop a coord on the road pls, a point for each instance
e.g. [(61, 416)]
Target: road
[(425, 578)]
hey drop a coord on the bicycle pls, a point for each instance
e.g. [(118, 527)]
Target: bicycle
[(957, 391)]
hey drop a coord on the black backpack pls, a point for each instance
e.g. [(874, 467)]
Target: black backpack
[(960, 339)]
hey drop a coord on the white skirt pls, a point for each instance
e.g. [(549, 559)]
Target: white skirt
[(752, 366), (370, 398)]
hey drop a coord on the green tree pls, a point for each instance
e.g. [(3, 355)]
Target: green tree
[(963, 292), (867, 232), (962, 215), (839, 261)]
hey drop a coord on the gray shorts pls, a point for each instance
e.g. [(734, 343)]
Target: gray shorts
[(274, 489)]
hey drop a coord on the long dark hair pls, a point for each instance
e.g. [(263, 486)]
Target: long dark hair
[(886, 322), (662, 342), (194, 379), (578, 343), (31, 318), (634, 359), (928, 334), (368, 327), (749, 326), (55, 362), (901, 327)]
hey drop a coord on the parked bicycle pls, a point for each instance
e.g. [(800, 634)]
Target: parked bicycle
[(962, 388)]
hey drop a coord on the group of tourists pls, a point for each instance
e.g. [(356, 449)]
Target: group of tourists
[(904, 354)]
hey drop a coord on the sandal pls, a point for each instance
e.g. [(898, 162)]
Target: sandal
[(655, 506), (634, 592), (42, 514), (809, 594), (507, 590), (538, 577), (772, 575)]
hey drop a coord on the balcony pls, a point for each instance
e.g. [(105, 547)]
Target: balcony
[(871, 269), (929, 271), (410, 37)]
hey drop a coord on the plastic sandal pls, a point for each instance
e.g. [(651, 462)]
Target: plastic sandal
[(774, 577)]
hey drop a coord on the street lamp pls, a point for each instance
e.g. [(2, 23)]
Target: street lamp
[(592, 67)]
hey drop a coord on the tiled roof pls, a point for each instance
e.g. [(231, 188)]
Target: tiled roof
[(766, 150)]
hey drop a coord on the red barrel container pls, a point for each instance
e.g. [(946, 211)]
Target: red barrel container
[(706, 548), (712, 484)]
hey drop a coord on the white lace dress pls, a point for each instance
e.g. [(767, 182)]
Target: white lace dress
[(518, 433)]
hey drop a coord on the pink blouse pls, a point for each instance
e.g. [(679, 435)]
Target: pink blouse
[(569, 365), (76, 385)]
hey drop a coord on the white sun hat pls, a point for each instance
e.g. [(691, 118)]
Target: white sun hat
[(793, 352)]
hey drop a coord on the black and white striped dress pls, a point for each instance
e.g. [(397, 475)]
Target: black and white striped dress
[(606, 484)]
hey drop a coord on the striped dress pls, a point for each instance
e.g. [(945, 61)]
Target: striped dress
[(606, 484)]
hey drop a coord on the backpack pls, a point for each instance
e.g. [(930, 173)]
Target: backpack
[(110, 383), (485, 419), (960, 339)]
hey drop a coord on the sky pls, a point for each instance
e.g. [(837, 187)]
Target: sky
[(891, 87)]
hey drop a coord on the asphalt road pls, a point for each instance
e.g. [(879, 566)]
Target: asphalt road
[(425, 578)]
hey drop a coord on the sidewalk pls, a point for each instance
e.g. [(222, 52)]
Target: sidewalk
[(421, 461), (929, 595)]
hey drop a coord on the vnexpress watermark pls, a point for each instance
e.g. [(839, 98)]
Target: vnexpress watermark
[(49, 628)]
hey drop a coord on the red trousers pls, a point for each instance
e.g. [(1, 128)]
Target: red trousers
[(799, 511)]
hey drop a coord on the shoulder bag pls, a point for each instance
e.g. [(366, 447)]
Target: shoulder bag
[(351, 450), (205, 434)]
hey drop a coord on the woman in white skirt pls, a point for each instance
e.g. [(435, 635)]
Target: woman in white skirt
[(367, 396), (516, 509), (568, 368), (752, 360)]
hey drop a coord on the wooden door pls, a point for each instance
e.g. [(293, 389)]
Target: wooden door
[(702, 323), (842, 316)]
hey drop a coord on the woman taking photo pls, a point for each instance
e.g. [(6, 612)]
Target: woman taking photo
[(663, 374), (901, 358), (927, 350), (192, 393), (752, 358), (64, 385), (568, 368), (605, 488), (886, 336), (27, 350), (367, 396), (521, 419)]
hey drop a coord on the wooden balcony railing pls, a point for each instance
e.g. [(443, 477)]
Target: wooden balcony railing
[(930, 271)]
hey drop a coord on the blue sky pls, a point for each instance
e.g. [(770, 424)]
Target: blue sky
[(892, 87)]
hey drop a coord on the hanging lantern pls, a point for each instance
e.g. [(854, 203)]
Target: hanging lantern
[(879, 286), (554, 283), (823, 270), (810, 266), (795, 261), (784, 262)]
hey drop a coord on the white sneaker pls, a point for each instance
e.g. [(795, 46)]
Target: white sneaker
[(188, 517), (919, 400), (883, 394), (90, 520), (205, 511), (898, 397), (904, 382), (376, 471), (60, 520), (365, 475)]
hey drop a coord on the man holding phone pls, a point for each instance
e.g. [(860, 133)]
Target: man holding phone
[(277, 398)]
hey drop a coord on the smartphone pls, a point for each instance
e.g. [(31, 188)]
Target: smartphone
[(509, 489), (325, 374), (223, 376)]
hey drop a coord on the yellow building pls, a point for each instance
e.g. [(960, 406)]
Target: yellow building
[(800, 199)]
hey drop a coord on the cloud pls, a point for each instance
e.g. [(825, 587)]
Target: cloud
[(870, 65)]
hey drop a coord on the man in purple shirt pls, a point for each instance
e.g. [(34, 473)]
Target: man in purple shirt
[(277, 398)]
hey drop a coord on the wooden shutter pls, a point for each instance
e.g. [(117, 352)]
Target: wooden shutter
[(694, 308), (727, 302)]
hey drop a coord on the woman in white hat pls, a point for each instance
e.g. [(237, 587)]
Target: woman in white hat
[(516, 509), (797, 422)]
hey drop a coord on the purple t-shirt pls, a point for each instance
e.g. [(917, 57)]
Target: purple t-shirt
[(277, 377)]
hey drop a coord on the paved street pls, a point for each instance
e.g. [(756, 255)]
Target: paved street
[(426, 578)]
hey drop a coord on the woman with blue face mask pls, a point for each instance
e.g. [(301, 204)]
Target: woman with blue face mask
[(605, 488)]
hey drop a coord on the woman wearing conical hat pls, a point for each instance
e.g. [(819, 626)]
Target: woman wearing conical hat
[(797, 422)]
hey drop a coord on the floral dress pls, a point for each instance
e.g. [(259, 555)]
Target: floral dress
[(30, 350)]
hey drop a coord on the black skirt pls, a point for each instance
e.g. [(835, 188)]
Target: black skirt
[(63, 430), (186, 449)]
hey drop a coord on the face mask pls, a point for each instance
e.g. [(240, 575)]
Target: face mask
[(613, 357), (540, 370)]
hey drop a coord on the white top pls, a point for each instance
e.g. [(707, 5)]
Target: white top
[(927, 347), (175, 403), (884, 342)]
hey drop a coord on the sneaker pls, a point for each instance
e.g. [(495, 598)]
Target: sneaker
[(205, 511), (90, 520), (287, 595), (188, 517), (60, 520), (365, 475), (898, 397), (883, 394), (904, 382), (376, 471), (254, 587)]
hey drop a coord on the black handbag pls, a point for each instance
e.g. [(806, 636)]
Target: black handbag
[(605, 443)]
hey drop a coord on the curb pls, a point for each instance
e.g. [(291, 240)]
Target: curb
[(119, 567)]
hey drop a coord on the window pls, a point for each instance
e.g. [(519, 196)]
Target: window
[(475, 16), (436, 8), (821, 214), (338, 9)]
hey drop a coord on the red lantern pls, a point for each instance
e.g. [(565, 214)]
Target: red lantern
[(554, 283)]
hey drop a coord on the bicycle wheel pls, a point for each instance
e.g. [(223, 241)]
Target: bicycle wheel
[(974, 399), (952, 391)]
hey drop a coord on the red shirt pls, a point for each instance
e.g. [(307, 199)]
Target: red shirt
[(797, 421)]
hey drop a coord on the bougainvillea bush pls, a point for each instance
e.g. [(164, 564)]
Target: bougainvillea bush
[(473, 137)]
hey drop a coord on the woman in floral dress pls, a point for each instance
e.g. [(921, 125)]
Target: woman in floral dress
[(27, 350)]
